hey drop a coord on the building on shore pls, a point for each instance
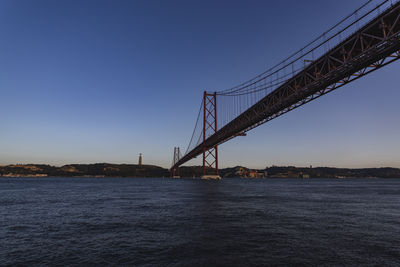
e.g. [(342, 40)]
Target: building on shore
[(140, 159)]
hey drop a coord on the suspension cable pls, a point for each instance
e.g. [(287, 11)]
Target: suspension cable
[(195, 127), (257, 78)]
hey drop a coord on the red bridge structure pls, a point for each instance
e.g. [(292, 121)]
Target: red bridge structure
[(362, 42)]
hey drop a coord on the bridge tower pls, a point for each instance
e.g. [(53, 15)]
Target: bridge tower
[(210, 126), (175, 170)]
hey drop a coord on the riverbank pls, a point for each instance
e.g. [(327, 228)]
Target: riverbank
[(132, 170)]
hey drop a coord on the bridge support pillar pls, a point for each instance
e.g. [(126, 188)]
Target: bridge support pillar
[(210, 126), (175, 170)]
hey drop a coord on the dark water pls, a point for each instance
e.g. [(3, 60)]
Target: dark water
[(166, 222)]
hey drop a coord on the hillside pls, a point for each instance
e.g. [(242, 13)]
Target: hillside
[(79, 170), (133, 170)]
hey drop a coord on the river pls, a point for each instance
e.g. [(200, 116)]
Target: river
[(187, 222)]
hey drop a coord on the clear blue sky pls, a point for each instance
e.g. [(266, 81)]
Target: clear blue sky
[(102, 81)]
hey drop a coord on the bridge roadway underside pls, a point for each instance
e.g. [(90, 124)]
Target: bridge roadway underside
[(373, 46)]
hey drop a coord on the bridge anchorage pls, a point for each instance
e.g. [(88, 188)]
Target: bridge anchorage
[(366, 40)]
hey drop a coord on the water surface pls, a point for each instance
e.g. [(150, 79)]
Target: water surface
[(186, 222)]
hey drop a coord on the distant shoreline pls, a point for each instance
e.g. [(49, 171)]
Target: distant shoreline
[(137, 177), (99, 170)]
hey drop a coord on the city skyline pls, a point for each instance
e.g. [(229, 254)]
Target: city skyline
[(87, 83)]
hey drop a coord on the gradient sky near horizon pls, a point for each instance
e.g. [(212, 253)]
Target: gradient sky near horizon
[(102, 81)]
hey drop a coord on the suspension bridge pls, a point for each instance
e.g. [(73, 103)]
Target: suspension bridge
[(362, 42)]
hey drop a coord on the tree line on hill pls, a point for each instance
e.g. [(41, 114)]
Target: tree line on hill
[(79, 170), (133, 170)]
